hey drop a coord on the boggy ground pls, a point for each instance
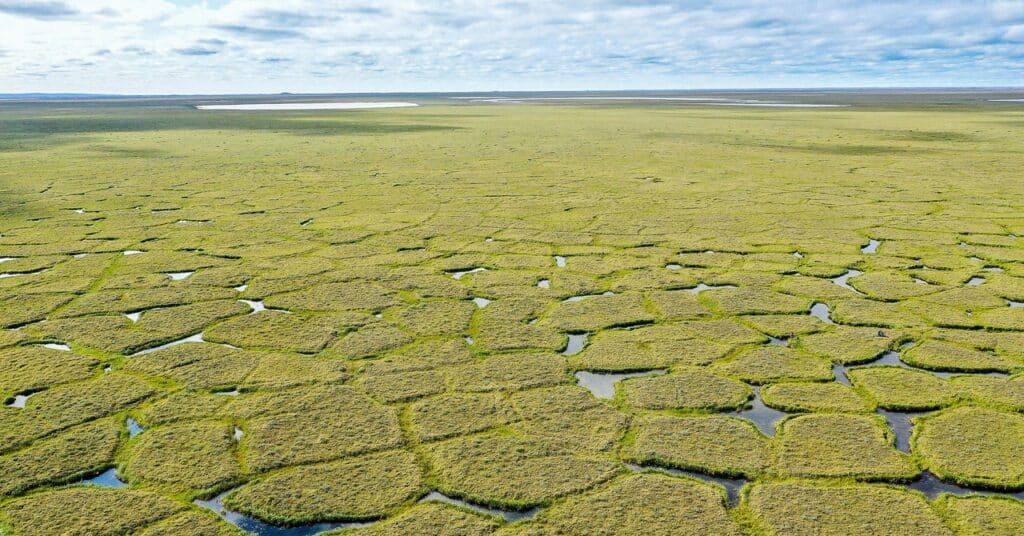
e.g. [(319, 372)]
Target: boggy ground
[(404, 329)]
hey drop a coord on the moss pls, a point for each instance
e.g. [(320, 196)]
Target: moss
[(889, 286), (856, 446), (335, 297), (875, 313), (767, 364), (56, 409), (74, 453), (370, 340), (850, 345), (599, 312), (459, 414), (741, 301), (183, 406), (677, 304), (646, 348), (23, 309), (686, 388), (506, 325), (645, 503), (982, 516), (570, 417), (192, 523), (725, 331), (938, 355), (437, 317), (1003, 392), (814, 397), (716, 445), (972, 446), (353, 489), (513, 471), (508, 372), (187, 456), (325, 231), (429, 518), (901, 389), (280, 331), (301, 429), (97, 511), (32, 368), (422, 355), (800, 508), (784, 325), (118, 334), (403, 386)]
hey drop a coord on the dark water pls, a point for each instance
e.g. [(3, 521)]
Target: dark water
[(106, 479), (761, 415), (732, 485), (701, 287), (259, 528), (588, 296), (602, 385), (842, 280), (822, 312), (458, 275), (509, 516), (901, 425), (932, 486), (577, 341), (134, 428)]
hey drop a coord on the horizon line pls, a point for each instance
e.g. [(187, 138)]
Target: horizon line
[(75, 94)]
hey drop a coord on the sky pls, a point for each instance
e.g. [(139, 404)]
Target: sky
[(262, 46)]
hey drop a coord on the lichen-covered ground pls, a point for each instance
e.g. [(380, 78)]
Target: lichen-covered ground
[(359, 321)]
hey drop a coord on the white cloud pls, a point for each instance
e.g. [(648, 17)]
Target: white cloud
[(157, 46)]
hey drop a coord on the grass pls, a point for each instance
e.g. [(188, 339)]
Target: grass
[(796, 507), (995, 438), (855, 446), (715, 445), (355, 489), (374, 366)]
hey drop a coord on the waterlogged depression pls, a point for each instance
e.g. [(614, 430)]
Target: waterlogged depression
[(533, 318)]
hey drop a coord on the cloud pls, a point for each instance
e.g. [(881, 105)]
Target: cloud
[(37, 10), (196, 51), (397, 45), (267, 34)]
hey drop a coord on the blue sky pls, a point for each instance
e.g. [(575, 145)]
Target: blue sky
[(258, 46)]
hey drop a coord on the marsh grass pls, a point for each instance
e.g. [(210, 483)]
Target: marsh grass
[(712, 230)]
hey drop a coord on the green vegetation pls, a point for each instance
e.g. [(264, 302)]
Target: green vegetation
[(973, 446), (710, 444), (513, 471), (766, 364), (686, 388), (799, 508), (645, 503), (96, 511), (938, 355), (429, 518), (814, 398), (198, 456), (982, 516), (351, 489), (856, 446), (901, 389), (379, 304)]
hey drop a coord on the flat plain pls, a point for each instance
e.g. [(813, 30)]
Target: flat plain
[(516, 318)]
